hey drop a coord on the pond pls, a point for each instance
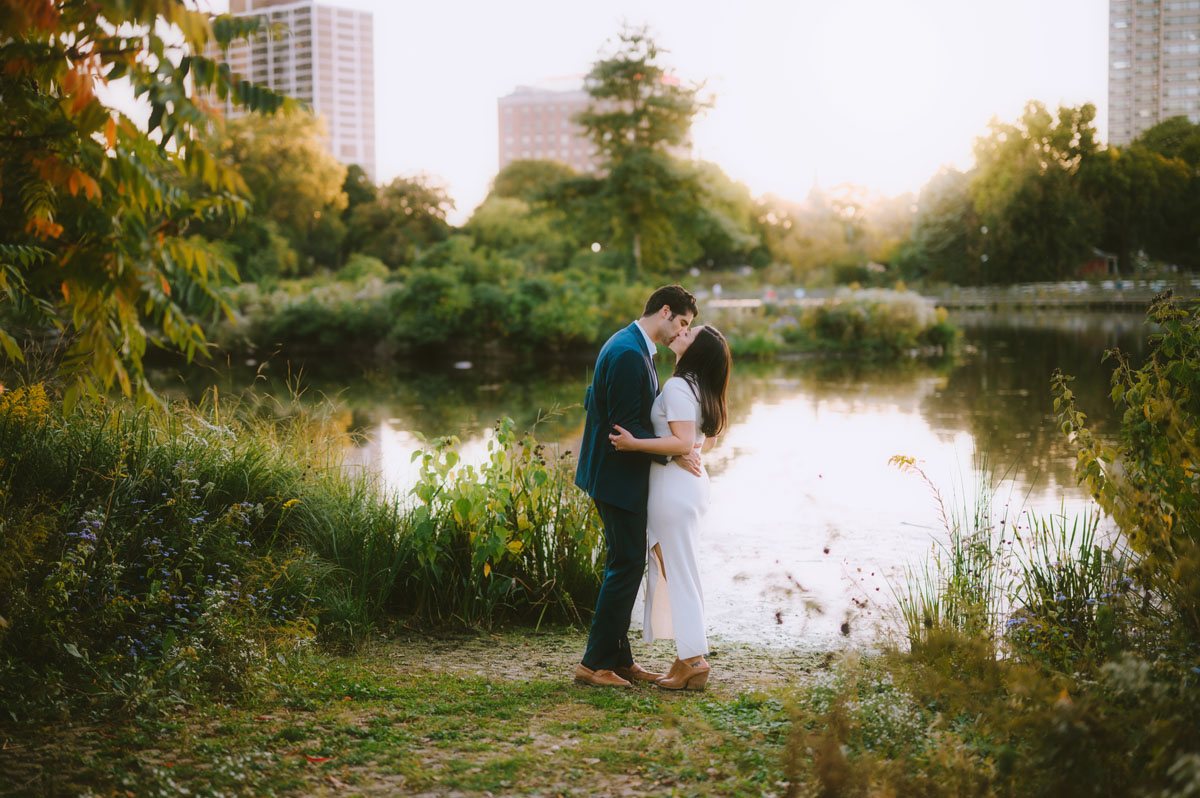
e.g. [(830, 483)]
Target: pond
[(810, 529)]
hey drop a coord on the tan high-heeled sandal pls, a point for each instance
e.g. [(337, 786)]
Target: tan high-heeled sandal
[(683, 676)]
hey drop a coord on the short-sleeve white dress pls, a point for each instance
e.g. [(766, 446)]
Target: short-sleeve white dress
[(678, 501)]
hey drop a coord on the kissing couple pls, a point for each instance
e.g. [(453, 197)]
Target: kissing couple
[(640, 462)]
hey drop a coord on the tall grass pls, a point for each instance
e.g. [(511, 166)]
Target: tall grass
[(964, 585), (145, 553), (1039, 586)]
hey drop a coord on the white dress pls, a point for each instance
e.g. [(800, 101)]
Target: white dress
[(678, 500)]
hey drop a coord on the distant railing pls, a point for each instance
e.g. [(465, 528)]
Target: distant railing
[(1114, 294), (1106, 294)]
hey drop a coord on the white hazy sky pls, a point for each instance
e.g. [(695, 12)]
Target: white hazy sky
[(879, 93)]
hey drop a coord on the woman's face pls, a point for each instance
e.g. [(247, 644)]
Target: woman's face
[(684, 340)]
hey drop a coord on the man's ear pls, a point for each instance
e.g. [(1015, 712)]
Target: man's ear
[(665, 311)]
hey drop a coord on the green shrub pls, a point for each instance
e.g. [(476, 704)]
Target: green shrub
[(871, 323), (1149, 480)]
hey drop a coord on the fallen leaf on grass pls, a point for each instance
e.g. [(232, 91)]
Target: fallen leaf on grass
[(591, 760), (317, 758), (336, 782)]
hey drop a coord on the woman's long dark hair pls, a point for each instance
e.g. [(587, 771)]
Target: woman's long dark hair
[(705, 365)]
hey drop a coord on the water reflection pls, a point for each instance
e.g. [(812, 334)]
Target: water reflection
[(809, 524)]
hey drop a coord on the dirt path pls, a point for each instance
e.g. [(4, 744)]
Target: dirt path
[(552, 655)]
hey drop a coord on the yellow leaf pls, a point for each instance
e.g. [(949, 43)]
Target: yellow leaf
[(487, 569), (110, 132)]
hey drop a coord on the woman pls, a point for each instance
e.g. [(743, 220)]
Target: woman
[(689, 412)]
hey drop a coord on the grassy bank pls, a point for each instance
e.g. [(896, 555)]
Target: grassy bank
[(148, 558), (460, 714)]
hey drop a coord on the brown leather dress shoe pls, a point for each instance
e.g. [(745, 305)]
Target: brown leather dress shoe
[(636, 673), (598, 678), (685, 677)]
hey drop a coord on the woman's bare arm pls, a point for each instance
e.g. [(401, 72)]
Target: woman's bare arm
[(680, 441)]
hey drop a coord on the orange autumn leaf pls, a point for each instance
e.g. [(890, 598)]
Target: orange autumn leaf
[(44, 228), (110, 132), (66, 291), (84, 95), (166, 287), (79, 180)]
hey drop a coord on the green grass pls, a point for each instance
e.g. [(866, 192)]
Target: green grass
[(318, 721)]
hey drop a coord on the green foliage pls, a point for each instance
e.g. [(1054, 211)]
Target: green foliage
[(530, 234), (953, 720), (638, 114), (294, 182), (407, 216), (1148, 480), (1042, 194), (1039, 226), (457, 297), (358, 188), (1138, 194), (147, 557), (529, 180), (938, 249), (363, 267), (510, 538), (103, 204), (869, 323)]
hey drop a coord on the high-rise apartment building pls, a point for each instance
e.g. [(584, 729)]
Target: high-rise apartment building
[(1153, 64), (536, 123), (322, 55)]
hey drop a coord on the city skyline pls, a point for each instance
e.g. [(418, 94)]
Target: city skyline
[(864, 92)]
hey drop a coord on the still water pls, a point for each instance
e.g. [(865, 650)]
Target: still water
[(810, 528)]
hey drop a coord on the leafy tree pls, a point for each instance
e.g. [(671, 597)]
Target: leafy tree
[(1177, 137), (530, 234), (1040, 227), (94, 218), (358, 188), (638, 114), (528, 180), (1178, 140), (939, 247), (725, 225), (293, 179), (407, 216), (1137, 194)]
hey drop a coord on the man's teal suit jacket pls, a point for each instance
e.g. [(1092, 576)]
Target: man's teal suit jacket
[(622, 392)]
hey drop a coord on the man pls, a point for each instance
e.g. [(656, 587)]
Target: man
[(622, 392)]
